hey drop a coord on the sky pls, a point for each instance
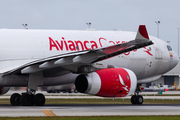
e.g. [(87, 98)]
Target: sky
[(125, 15)]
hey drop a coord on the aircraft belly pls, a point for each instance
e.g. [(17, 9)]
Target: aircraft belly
[(22, 80), (64, 79), (13, 81)]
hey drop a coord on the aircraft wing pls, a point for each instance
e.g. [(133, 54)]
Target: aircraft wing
[(73, 61)]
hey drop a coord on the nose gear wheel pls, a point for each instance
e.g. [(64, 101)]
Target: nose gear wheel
[(137, 100)]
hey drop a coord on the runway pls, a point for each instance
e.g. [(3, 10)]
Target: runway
[(89, 110)]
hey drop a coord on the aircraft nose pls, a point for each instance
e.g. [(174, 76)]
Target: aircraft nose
[(175, 59)]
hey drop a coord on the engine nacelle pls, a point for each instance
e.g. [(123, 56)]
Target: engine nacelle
[(4, 90), (111, 82)]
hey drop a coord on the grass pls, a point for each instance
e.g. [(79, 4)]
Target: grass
[(107, 101), (96, 118), (98, 101), (162, 95)]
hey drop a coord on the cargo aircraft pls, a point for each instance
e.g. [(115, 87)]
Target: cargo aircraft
[(101, 63)]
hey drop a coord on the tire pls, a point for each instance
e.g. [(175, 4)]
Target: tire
[(15, 99), (133, 99), (27, 100), (39, 99), (139, 99)]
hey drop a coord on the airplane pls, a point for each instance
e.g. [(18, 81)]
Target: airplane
[(101, 63)]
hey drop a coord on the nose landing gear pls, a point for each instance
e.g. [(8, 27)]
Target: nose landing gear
[(137, 99)]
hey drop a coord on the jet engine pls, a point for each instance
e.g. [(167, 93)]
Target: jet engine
[(4, 90), (110, 82)]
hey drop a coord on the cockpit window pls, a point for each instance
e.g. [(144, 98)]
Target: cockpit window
[(169, 48)]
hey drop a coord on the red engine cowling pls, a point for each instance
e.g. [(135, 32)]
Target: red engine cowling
[(4, 90), (111, 82)]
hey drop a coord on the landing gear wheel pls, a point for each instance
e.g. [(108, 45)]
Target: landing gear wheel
[(15, 99), (27, 100), (139, 99), (133, 99), (39, 99)]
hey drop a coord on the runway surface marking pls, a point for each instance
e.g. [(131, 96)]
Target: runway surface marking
[(48, 113), (89, 110)]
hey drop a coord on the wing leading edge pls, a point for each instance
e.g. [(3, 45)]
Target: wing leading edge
[(74, 61)]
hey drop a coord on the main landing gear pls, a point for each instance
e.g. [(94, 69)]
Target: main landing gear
[(137, 99), (27, 99)]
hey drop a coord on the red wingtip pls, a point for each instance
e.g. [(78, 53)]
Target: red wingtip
[(143, 31)]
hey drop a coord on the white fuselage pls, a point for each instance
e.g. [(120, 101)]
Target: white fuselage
[(18, 47)]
